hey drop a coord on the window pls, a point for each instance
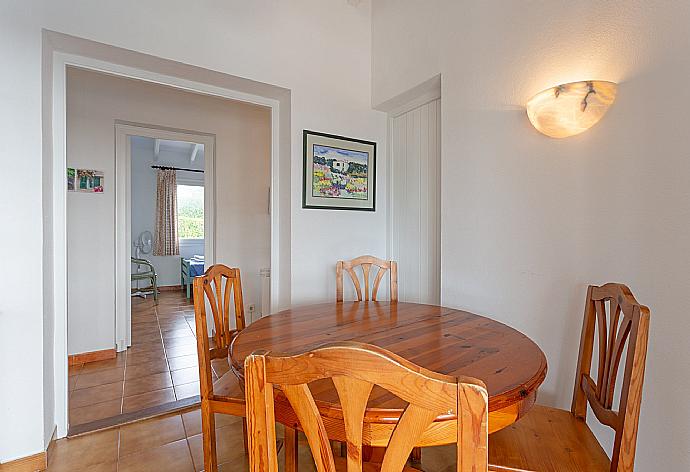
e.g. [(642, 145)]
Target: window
[(190, 212)]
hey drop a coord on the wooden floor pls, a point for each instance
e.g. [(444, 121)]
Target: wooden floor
[(174, 444), (159, 368)]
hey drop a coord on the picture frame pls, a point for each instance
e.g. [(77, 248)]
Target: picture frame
[(339, 172), (89, 181), (71, 179)]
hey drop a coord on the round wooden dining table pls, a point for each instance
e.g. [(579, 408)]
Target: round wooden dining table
[(444, 340)]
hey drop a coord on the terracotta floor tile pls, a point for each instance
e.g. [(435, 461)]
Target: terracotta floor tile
[(172, 316), (186, 390), (100, 377), (149, 322), (192, 421), (174, 326), (146, 328), (181, 341), (149, 434), (180, 351), (220, 366), (150, 334), (145, 348), (145, 338), (172, 323), (148, 399), (172, 311), (186, 375), (84, 452), (96, 411), (243, 465), (119, 361), (145, 319), (147, 383), (182, 362), (148, 368), (101, 467), (97, 394), (172, 457), (229, 446), (139, 310), (144, 357), (144, 364), (177, 333)]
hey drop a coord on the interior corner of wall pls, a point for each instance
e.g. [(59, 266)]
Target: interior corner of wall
[(417, 95)]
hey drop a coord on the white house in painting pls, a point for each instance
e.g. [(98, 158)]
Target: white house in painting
[(341, 166)]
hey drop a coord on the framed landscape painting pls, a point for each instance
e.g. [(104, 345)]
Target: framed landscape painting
[(339, 172)]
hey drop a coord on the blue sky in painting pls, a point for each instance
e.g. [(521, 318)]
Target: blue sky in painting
[(346, 155)]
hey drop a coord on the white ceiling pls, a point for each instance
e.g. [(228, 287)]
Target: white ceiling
[(165, 145)]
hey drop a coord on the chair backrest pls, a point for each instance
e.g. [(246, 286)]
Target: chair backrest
[(366, 262), (355, 369), (612, 312), (216, 286)]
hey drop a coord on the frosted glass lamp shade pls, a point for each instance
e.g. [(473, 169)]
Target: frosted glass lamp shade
[(570, 109)]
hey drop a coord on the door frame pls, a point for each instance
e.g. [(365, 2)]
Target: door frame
[(123, 211), (86, 56), (407, 101)]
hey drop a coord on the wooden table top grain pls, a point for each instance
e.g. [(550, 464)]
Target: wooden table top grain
[(445, 340)]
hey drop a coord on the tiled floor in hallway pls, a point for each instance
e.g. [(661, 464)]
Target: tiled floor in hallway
[(171, 444), (160, 366)]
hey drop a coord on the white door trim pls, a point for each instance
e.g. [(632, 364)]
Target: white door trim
[(411, 141), (59, 62), (123, 207)]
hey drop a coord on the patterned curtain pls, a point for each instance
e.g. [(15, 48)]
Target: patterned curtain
[(166, 241)]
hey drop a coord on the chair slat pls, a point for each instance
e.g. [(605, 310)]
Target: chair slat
[(366, 263), (615, 360), (413, 422), (601, 318), (303, 404), (353, 395), (379, 276)]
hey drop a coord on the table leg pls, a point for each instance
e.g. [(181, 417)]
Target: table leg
[(291, 449)]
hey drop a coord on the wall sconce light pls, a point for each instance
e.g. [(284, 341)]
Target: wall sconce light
[(570, 109)]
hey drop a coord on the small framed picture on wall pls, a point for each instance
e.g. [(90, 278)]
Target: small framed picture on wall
[(339, 172)]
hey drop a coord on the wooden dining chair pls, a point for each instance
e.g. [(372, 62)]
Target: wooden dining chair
[(355, 369), (366, 262), (225, 395), (548, 439)]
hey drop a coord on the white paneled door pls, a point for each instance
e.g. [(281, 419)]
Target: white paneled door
[(415, 200)]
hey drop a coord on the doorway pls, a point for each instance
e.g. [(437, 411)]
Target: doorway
[(415, 199), (62, 52), (108, 228), (154, 369), (141, 151)]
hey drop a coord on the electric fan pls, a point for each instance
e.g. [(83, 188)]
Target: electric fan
[(143, 244)]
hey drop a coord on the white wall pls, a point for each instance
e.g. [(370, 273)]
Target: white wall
[(281, 43), (243, 148), (529, 221), (144, 204)]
